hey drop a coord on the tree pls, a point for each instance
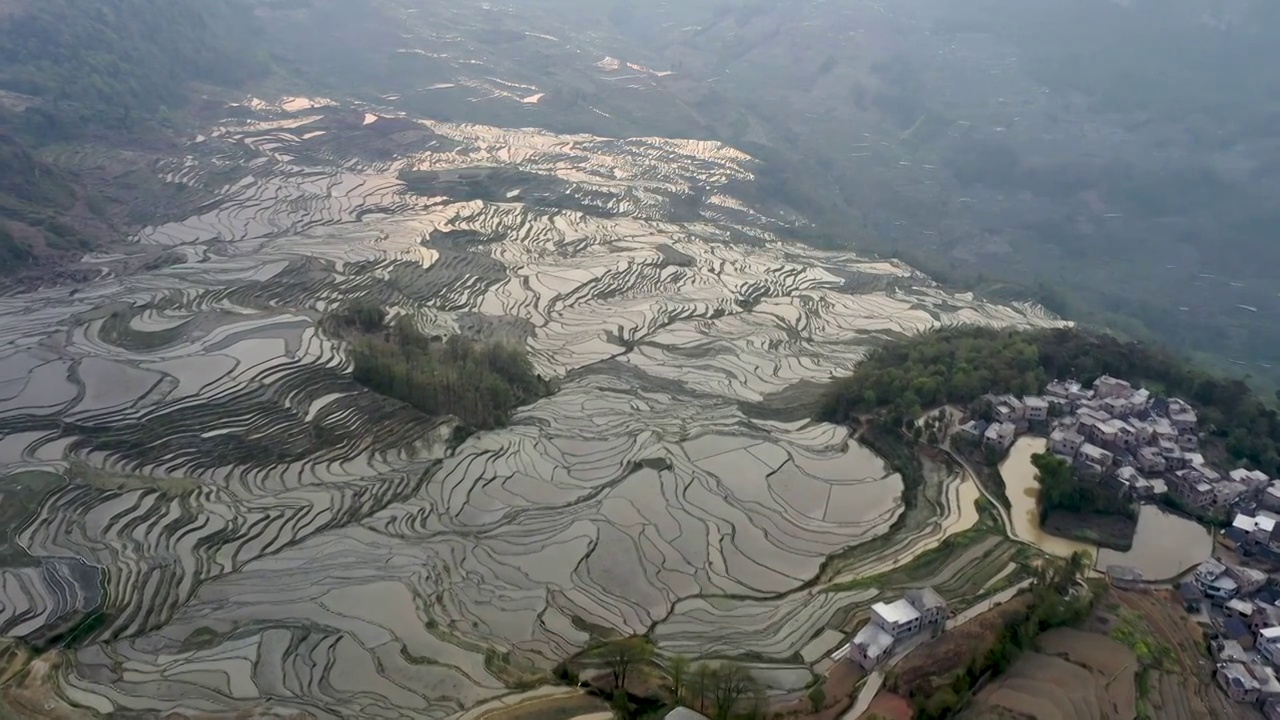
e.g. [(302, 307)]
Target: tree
[(703, 682), (732, 684), (623, 655), (818, 696), (677, 672)]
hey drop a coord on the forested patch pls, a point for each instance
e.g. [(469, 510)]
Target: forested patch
[(480, 383), (99, 70), (1061, 490), (117, 63), (960, 364)]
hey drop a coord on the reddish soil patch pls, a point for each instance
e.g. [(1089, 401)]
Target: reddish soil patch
[(840, 683), (888, 705)]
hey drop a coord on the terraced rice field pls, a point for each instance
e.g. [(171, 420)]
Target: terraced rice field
[(1074, 675), (260, 534), (1184, 687)]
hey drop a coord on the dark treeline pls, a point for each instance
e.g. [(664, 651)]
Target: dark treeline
[(1061, 491), (479, 383), (960, 364)]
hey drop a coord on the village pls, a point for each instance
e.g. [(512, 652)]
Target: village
[(1143, 448)]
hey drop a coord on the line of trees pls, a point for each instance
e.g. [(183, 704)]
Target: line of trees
[(719, 689), (480, 383), (960, 364)]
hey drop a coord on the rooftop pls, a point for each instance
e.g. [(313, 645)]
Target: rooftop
[(1230, 651), (1243, 608), (1238, 676), (925, 598), (1245, 476), (897, 612), (872, 639), (1210, 568), (684, 713)]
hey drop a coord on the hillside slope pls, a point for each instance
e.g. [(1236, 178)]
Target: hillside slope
[(1117, 160), (104, 73)]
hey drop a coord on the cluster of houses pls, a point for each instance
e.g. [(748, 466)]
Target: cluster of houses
[(1144, 446), (1246, 620), (921, 612)]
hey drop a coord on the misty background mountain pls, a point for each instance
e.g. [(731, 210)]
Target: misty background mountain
[(1117, 161)]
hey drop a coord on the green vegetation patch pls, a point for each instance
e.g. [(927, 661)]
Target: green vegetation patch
[(1056, 601), (480, 383), (1065, 496), (1132, 632), (961, 364), (117, 65)]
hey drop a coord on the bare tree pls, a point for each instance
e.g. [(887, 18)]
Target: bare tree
[(623, 655), (702, 683), (678, 672), (733, 683)]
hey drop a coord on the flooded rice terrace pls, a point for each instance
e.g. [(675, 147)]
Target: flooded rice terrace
[(220, 519)]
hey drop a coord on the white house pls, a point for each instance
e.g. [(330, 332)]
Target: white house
[(1151, 461), (1252, 479), (1035, 408), (1225, 493), (1094, 458), (870, 646), (1000, 435), (1181, 415), (931, 606), (892, 622), (1214, 581), (1109, 387), (899, 618), (1268, 645), (1065, 442)]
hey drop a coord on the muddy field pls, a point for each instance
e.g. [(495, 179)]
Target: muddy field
[(889, 706)]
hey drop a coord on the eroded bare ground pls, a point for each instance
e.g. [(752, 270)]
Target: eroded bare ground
[(1086, 674)]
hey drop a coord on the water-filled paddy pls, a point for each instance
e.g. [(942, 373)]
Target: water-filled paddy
[(337, 558)]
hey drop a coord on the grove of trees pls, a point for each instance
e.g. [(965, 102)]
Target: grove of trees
[(118, 63), (1061, 490), (480, 383)]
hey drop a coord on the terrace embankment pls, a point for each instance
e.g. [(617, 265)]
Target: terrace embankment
[(313, 547)]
